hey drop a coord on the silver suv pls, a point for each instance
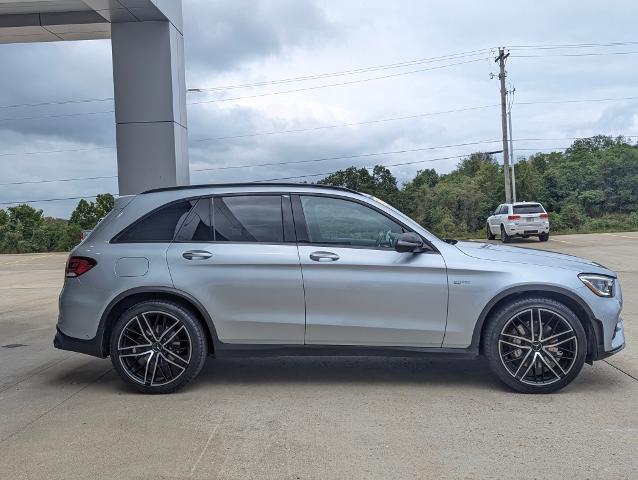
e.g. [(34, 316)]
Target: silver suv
[(521, 219), (173, 275)]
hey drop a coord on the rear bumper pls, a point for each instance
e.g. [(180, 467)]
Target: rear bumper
[(522, 229), (89, 347)]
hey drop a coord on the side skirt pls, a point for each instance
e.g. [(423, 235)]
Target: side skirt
[(233, 350)]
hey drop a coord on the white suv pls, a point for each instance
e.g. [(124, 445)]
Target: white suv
[(521, 219)]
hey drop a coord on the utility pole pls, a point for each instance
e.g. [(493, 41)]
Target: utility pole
[(509, 126), (502, 56)]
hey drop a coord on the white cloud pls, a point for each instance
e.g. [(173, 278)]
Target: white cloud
[(236, 42)]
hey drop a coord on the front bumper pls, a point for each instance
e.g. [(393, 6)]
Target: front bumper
[(617, 343)]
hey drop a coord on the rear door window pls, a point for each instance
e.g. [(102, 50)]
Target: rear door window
[(248, 218), (197, 227), (533, 208)]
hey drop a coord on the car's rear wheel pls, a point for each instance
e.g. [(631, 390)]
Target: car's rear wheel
[(535, 345), (543, 237), (158, 346), (490, 235), (505, 238)]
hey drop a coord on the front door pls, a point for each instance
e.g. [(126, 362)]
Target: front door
[(236, 254), (359, 290)]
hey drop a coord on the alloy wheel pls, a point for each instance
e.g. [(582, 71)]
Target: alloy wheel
[(538, 346), (154, 348)]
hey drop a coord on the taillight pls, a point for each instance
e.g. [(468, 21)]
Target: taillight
[(77, 266), (544, 215), (513, 217)]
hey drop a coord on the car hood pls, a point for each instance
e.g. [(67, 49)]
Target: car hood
[(502, 253)]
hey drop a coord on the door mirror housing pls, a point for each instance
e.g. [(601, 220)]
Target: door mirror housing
[(409, 242)]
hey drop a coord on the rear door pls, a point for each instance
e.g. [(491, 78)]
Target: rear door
[(495, 220), (237, 255), (359, 290)]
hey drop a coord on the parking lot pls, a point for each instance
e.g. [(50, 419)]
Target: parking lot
[(65, 415)]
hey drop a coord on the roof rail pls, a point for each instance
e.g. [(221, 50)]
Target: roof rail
[(248, 184)]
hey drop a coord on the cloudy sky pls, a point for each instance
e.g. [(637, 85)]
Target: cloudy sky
[(237, 42)]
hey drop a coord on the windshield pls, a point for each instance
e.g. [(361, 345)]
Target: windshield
[(531, 208)]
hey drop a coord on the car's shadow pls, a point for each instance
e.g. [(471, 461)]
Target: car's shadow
[(348, 370), (516, 240), (466, 375), (463, 374)]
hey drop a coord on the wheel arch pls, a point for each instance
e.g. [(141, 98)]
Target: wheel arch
[(127, 299), (570, 299)]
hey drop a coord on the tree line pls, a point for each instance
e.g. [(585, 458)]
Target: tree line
[(23, 229), (590, 187)]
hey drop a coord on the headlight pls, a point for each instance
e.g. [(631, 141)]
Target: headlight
[(599, 284)]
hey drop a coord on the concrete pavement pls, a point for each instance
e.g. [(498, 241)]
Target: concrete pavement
[(66, 415)]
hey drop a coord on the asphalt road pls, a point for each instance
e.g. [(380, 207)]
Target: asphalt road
[(66, 415)]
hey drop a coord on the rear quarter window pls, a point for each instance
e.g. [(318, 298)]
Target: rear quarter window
[(159, 226)]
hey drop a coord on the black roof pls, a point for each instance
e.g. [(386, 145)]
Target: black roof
[(248, 184)]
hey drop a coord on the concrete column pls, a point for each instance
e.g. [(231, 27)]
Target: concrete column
[(150, 105)]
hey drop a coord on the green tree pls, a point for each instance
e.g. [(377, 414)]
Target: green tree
[(87, 214)]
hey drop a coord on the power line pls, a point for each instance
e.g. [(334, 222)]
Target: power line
[(539, 102), (315, 87), (415, 162), (341, 73), (343, 157), (232, 167), (267, 180), (586, 100), (58, 102), (453, 56), (31, 182), (351, 124), (385, 165), (36, 117), (49, 200), (323, 127), (42, 152), (571, 45), (593, 54), (351, 82)]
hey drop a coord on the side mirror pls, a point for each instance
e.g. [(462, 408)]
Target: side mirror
[(408, 242)]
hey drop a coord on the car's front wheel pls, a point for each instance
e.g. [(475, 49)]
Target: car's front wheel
[(535, 345), (158, 346)]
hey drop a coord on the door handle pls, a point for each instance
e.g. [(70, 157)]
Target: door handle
[(324, 257), (197, 255)]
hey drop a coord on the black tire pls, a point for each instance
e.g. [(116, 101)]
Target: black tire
[(542, 366), (505, 238), (543, 237), (490, 235), (179, 349)]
